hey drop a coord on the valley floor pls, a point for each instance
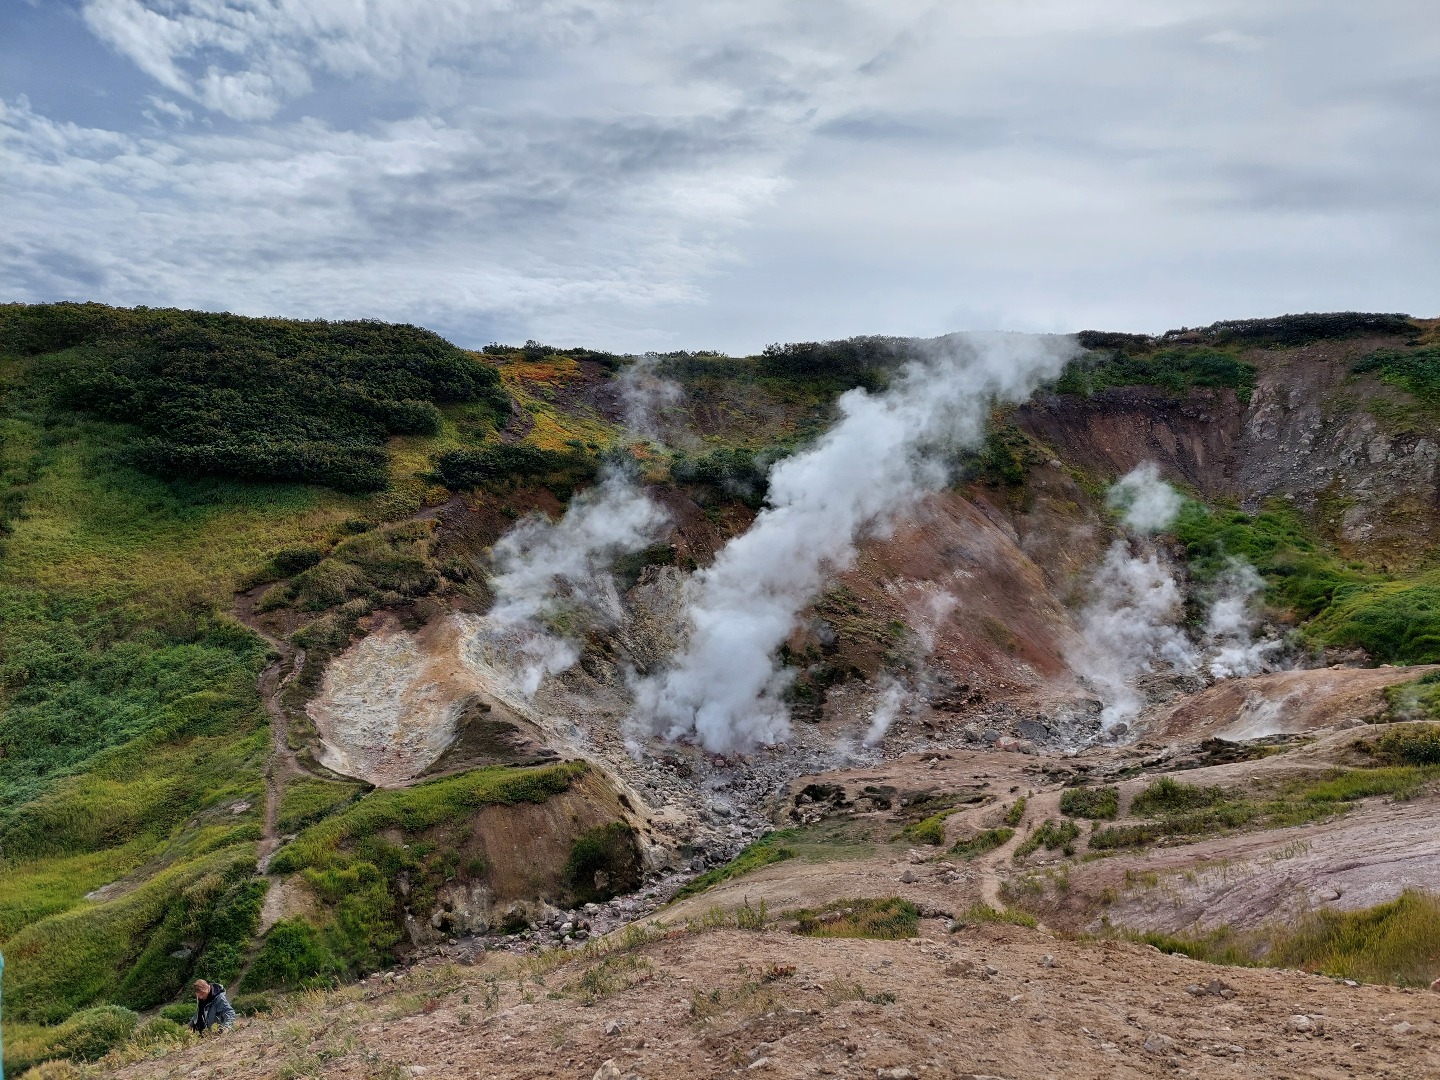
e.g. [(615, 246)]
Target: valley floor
[(985, 1001)]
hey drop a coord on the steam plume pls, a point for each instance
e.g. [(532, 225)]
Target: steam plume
[(644, 394), (1147, 503), (1229, 625), (879, 459), (1133, 624), (546, 567)]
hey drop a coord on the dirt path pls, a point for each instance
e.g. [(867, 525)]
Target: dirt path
[(283, 763)]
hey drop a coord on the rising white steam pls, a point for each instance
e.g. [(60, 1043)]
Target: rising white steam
[(1232, 650), (1147, 503), (878, 460), (1130, 628), (1133, 624), (887, 707), (644, 395), (546, 569)]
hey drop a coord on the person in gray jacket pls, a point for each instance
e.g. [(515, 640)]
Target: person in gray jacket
[(212, 1008)]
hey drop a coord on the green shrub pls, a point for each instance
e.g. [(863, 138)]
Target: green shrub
[(770, 848), (1173, 370), (604, 862), (982, 843), (502, 463), (1168, 796), (1411, 745), (292, 956), (930, 830), (1016, 813), (1051, 836), (888, 919), (1394, 622), (276, 399), (85, 1036), (1097, 804), (741, 474)]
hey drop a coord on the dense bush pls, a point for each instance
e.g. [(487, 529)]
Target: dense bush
[(1299, 575), (604, 862), (740, 474), (1296, 329), (857, 361), (462, 470), (86, 1036), (273, 399), (1173, 370), (1097, 804), (292, 956)]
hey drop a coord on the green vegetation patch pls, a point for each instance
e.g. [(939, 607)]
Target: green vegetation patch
[(504, 463), (604, 862), (1016, 813), (354, 870), (306, 801), (1052, 836), (422, 807), (1175, 371), (273, 399), (1391, 943), (1395, 622), (1298, 573), (930, 830), (86, 1036), (140, 949), (888, 919), (981, 843), (1097, 804), (735, 472), (1416, 371), (1409, 745), (983, 913), (770, 848)]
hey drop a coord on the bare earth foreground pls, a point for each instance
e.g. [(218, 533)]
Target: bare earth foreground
[(992, 1001)]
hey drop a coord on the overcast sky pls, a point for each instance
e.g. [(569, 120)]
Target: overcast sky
[(637, 174)]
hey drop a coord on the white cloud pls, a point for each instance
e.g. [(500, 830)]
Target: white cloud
[(636, 175)]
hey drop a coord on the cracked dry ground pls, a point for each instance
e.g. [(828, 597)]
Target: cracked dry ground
[(771, 1003)]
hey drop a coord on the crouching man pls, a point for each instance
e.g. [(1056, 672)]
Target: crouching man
[(212, 1008)]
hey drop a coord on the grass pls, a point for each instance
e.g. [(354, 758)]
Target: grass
[(306, 801), (1391, 943), (930, 830), (421, 807), (1051, 836), (767, 850), (889, 918), (984, 913), (1097, 804), (1015, 814), (1412, 745), (982, 842)]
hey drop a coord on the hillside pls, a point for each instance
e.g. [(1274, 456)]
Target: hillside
[(328, 647)]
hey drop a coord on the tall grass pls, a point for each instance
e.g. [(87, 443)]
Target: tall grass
[(1396, 942)]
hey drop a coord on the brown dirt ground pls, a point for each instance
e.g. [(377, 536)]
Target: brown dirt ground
[(775, 1004)]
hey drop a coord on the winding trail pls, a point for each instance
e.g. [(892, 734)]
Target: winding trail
[(283, 763)]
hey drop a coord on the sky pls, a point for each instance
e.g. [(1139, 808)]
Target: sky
[(636, 175)]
